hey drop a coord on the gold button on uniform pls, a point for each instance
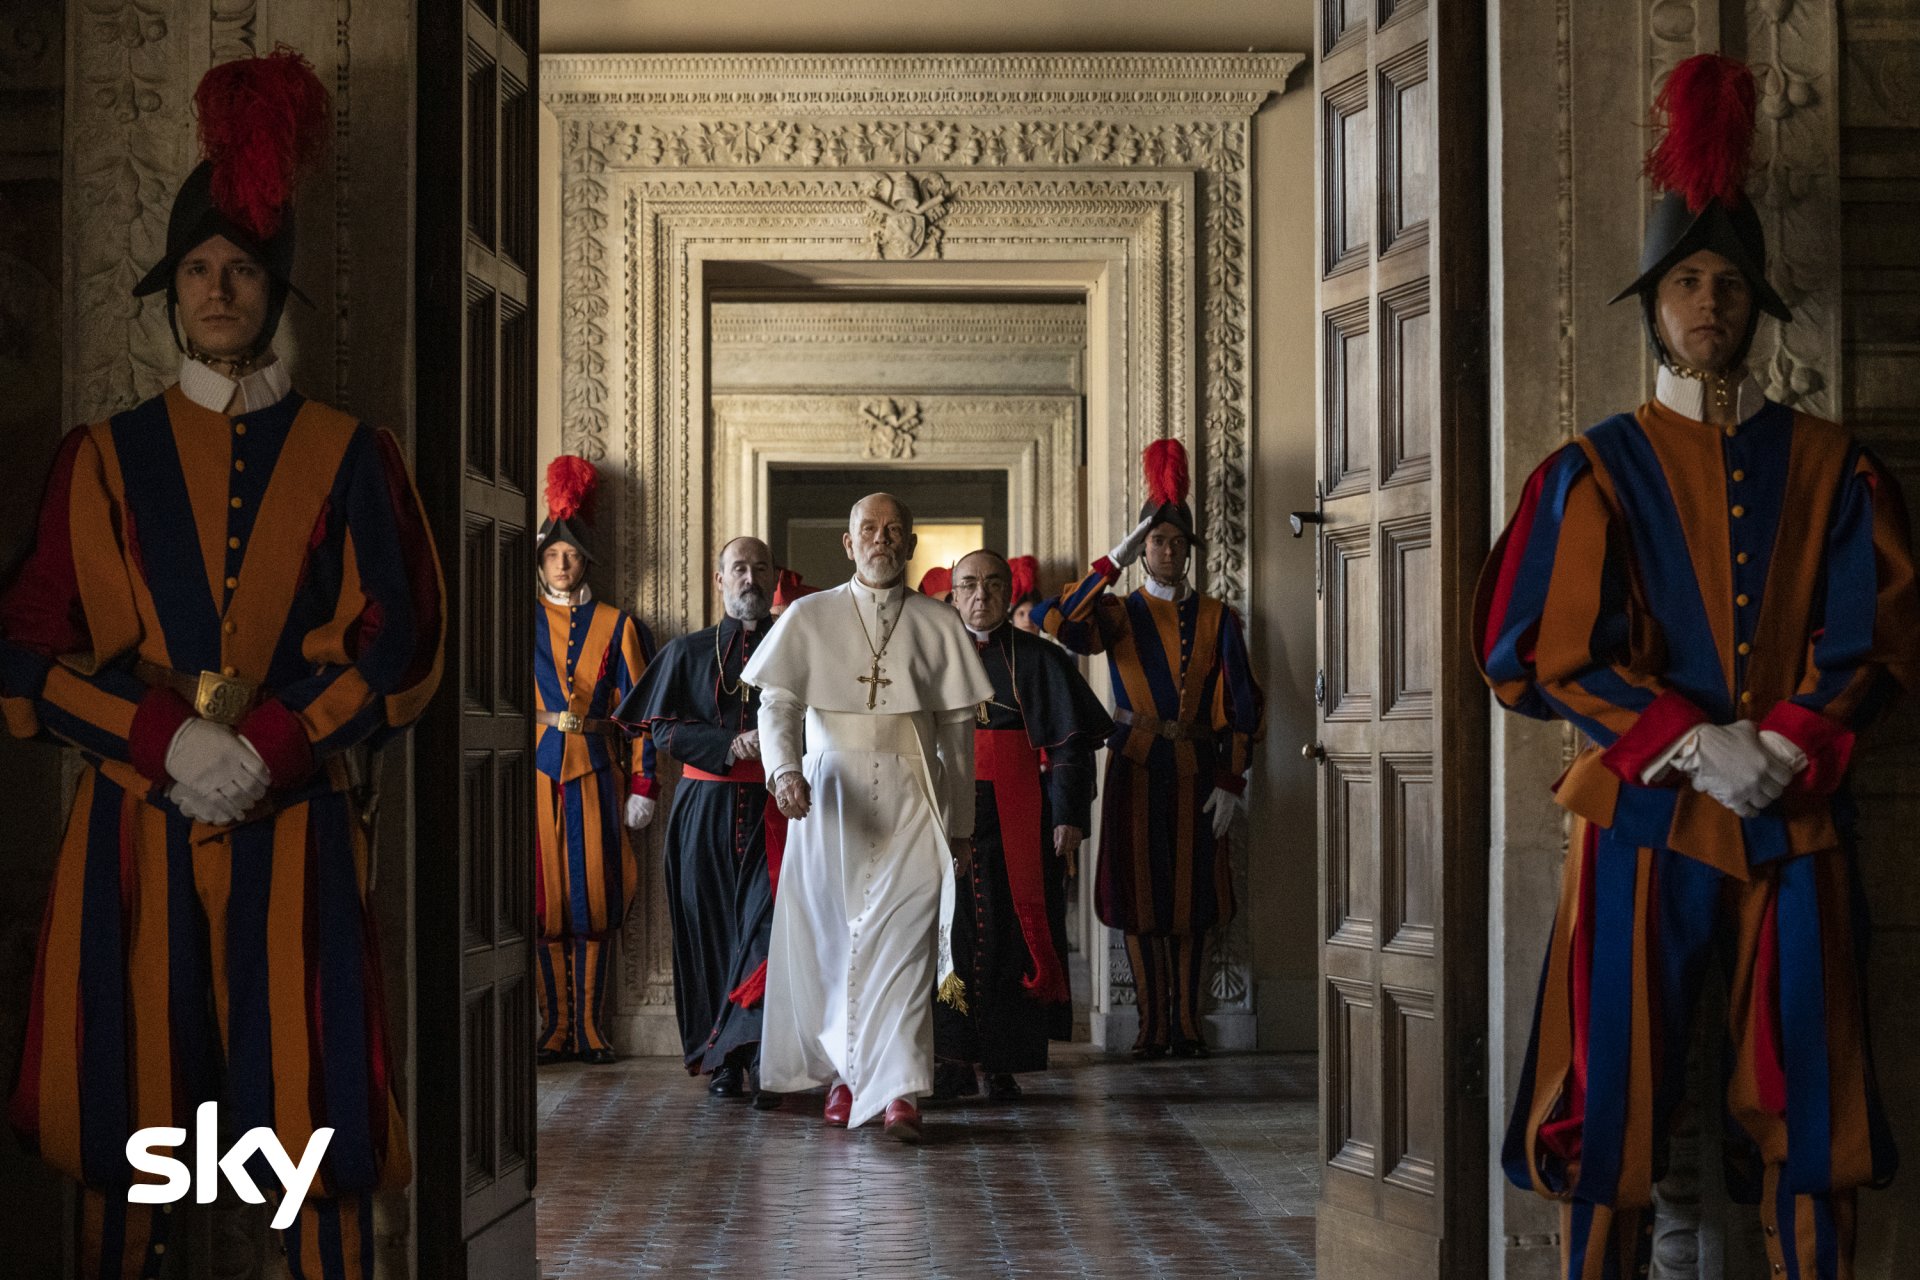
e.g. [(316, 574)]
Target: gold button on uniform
[(239, 464), (239, 428), (1745, 648), (1739, 475), (234, 503), (232, 583), (1739, 511), (233, 544), (229, 672), (1741, 599), (1732, 432), (1745, 698), (1742, 558), (229, 628)]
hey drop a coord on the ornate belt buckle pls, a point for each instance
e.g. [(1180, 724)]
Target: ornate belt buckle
[(570, 723), (224, 699), (1170, 730)]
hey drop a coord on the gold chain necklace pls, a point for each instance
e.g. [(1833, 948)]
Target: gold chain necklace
[(720, 665), (874, 680)]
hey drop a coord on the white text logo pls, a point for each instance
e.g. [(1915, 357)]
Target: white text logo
[(204, 1178)]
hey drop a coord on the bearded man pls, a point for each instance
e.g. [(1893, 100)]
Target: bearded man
[(724, 836), (867, 706)]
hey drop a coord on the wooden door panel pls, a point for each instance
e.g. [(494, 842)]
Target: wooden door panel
[(474, 372), (1403, 1188)]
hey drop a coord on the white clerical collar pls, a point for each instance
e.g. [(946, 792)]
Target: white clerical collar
[(264, 387), (877, 596), (979, 636), (1688, 396), (1164, 591), (571, 599)]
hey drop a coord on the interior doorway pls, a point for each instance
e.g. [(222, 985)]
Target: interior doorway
[(954, 511)]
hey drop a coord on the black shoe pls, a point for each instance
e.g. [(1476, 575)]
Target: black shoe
[(954, 1080), (547, 1057), (1191, 1049), (1148, 1052), (599, 1057), (1002, 1087), (727, 1083), (767, 1100)]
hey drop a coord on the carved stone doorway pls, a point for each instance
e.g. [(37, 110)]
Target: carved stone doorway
[(1118, 180)]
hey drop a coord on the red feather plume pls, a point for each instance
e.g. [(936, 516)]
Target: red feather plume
[(1707, 105), (937, 583), (262, 121), (1026, 576), (571, 482), (1166, 462)]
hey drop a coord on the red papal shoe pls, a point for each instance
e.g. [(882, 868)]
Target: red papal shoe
[(839, 1105), (903, 1120)]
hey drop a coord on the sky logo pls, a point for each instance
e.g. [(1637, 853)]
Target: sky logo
[(208, 1165)]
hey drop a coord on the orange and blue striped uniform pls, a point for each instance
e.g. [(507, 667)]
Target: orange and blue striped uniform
[(181, 962), (587, 659), (1187, 715), (1662, 573)]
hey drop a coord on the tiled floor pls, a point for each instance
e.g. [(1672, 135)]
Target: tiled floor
[(1105, 1168)]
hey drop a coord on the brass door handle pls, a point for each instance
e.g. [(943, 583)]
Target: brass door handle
[(1313, 751)]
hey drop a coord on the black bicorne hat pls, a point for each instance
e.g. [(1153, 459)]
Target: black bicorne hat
[(1701, 164)]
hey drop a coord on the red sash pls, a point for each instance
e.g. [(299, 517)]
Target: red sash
[(751, 991), (1005, 758)]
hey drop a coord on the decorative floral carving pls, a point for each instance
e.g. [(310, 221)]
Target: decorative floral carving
[(120, 177), (892, 426), (584, 308), (904, 213)]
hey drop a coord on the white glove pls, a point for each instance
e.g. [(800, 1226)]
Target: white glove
[(213, 810), (217, 763), (1731, 764), (639, 811), (1222, 804), (1784, 750), (1129, 549)]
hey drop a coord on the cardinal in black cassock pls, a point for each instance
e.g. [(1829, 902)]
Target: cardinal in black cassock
[(723, 837), (1034, 784)]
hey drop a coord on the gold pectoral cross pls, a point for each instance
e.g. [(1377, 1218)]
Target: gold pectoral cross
[(874, 683)]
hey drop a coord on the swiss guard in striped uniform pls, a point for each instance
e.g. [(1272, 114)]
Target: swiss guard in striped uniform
[(724, 836), (232, 596), (595, 782), (1033, 801), (1187, 713), (1718, 592)]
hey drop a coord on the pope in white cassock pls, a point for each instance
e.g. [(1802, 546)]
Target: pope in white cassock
[(867, 703)]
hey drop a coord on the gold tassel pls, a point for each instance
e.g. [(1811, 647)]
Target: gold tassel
[(954, 992)]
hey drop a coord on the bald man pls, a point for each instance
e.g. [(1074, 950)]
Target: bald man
[(723, 838), (867, 697)]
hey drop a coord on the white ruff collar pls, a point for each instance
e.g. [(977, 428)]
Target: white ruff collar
[(264, 387), (1688, 396)]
